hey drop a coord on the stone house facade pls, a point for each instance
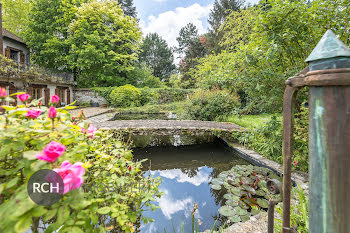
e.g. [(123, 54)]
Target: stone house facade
[(20, 75)]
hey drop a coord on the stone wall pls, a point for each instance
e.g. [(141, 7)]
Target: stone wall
[(85, 96)]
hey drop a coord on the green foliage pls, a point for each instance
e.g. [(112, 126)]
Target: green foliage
[(266, 44), (209, 105), (126, 96), (93, 40), (15, 15), (106, 161), (158, 56), (267, 140), (128, 8), (142, 76), (111, 39), (246, 191), (299, 216)]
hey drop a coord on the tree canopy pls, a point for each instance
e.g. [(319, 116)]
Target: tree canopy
[(157, 55), (128, 8)]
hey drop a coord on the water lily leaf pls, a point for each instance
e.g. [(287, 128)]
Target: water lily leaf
[(216, 187), (230, 196), (232, 203), (243, 205), (240, 211), (235, 191), (260, 192), (235, 219), (249, 189), (227, 211), (262, 202), (245, 218), (255, 211), (216, 181)]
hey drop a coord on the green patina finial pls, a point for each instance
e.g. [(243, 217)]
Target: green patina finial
[(329, 47)]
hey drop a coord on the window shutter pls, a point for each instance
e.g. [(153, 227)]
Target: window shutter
[(47, 96), (68, 96), (21, 57), (7, 52)]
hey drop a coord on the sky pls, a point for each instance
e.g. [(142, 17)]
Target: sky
[(167, 17)]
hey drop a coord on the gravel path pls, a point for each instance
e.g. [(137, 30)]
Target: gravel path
[(169, 124), (91, 111)]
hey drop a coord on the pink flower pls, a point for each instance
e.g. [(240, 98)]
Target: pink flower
[(295, 163), (52, 112), (72, 175), (23, 97), (91, 130), (55, 99), (51, 152), (33, 113), (2, 93), (73, 118), (129, 168)]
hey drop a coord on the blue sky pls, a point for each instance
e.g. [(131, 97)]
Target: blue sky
[(167, 17)]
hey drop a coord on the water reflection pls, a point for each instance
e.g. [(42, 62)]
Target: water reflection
[(186, 171)]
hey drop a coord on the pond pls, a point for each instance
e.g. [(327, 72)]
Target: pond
[(186, 172)]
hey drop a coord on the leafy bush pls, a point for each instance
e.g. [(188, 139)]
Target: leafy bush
[(267, 140), (143, 77), (25, 133), (209, 105), (299, 214), (126, 96)]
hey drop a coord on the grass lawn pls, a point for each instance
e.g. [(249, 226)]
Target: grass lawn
[(251, 121)]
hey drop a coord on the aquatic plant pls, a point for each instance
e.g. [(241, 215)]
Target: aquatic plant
[(247, 193)]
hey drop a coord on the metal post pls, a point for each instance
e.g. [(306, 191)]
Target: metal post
[(329, 141)]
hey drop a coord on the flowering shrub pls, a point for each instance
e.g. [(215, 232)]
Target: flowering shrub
[(90, 162)]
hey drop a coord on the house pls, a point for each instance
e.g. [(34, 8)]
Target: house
[(19, 75)]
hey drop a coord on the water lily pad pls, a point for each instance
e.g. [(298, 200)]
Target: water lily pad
[(216, 187), (262, 203), (227, 211), (230, 196), (255, 211), (243, 205), (235, 219), (245, 218), (235, 191), (260, 192), (249, 189), (240, 211), (217, 181), (232, 203)]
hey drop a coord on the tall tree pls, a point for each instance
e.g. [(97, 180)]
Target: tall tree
[(221, 10), (192, 46), (15, 15), (158, 56), (104, 43), (93, 40), (128, 8)]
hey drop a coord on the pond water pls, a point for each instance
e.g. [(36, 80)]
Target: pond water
[(150, 116), (186, 172)]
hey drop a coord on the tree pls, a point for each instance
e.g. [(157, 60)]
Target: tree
[(104, 43), (193, 47), (221, 10), (47, 35), (15, 15), (158, 56), (128, 8)]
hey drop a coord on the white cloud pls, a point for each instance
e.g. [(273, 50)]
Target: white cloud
[(169, 206), (201, 177), (169, 23)]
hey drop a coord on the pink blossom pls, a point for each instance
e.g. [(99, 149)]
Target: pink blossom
[(52, 112), (91, 130), (33, 113), (55, 99), (51, 152), (23, 97), (2, 93), (295, 163), (72, 175), (130, 168)]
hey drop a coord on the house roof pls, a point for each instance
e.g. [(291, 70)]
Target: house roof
[(10, 35)]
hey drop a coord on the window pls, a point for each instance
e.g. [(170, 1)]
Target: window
[(36, 94), (14, 55)]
